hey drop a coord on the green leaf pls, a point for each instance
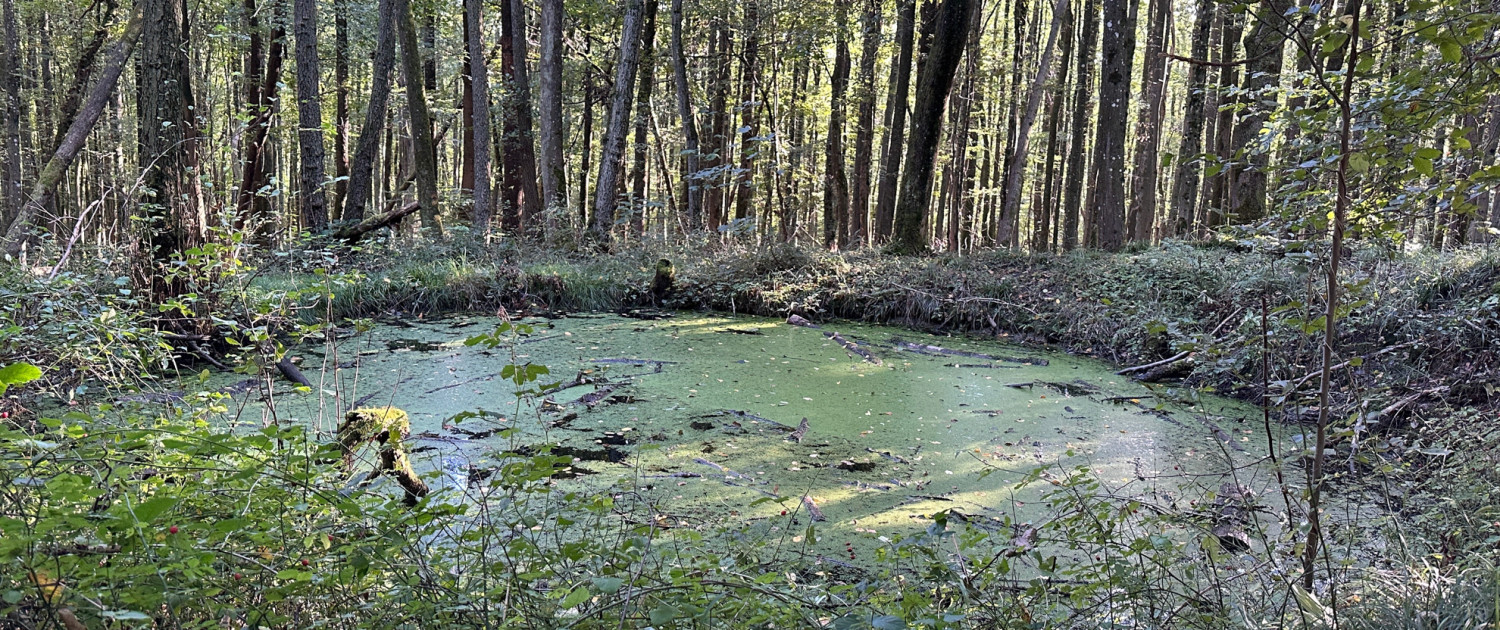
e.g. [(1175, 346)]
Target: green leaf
[(1452, 52), (18, 374), (1422, 165), (664, 614), (576, 597), (888, 622), (148, 511), (608, 584), (1334, 42)]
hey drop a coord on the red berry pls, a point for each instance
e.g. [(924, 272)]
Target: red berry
[(237, 576), (305, 562), (783, 512), (330, 538), (172, 529), (4, 415)]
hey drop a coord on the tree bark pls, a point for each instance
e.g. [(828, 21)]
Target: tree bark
[(253, 209), (1078, 174), (749, 113), (1263, 51), (424, 154), (74, 138), (1011, 210), (1118, 47), (10, 65), (310, 116), (519, 150), (1188, 165), (1141, 217), (170, 204), (692, 191), (640, 145), (479, 81), (553, 167), (1044, 225), (949, 39), (864, 125), (836, 182), (718, 137), (895, 125), (341, 106), (362, 167), (619, 119)]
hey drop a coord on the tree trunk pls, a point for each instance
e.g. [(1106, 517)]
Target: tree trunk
[(310, 116), (10, 66), (479, 80), (253, 209), (619, 119), (1078, 174), (1263, 52), (553, 167), (864, 125), (836, 182), (1214, 211), (749, 113), (82, 72), (1118, 46), (1010, 212), (692, 190), (642, 114), (520, 179), (949, 38), (74, 138), (168, 210), (960, 164), (362, 167), (718, 137), (1141, 216), (1188, 164), (341, 106), (424, 154), (895, 125)]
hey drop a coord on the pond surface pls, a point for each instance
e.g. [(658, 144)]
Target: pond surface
[(693, 418)]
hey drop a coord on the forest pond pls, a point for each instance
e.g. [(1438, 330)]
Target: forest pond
[(693, 419)]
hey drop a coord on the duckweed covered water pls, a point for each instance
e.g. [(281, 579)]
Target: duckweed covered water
[(697, 423)]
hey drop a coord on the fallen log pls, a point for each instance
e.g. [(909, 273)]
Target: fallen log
[(853, 348), (798, 320), (353, 233), (1167, 361), (291, 372), (939, 350), (598, 395)]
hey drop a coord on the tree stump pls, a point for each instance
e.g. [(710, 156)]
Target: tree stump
[(386, 426)]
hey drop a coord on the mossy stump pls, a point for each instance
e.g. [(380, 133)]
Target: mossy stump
[(386, 426)]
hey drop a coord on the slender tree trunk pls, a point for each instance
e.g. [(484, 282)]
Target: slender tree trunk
[(692, 191), (1118, 46), (252, 208), (1188, 166), (341, 106), (1263, 51), (310, 116), (615, 128), (749, 113), (588, 152), (479, 80), (362, 167), (932, 91), (466, 111), (864, 124), (1042, 236), (718, 138), (1141, 217), (520, 145), (960, 163), (642, 116), (1219, 203), (1011, 211), (75, 137), (1078, 174), (82, 72), (895, 127), (10, 65), (553, 168), (836, 182), (424, 154)]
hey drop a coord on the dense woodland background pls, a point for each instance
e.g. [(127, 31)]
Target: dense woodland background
[(947, 125)]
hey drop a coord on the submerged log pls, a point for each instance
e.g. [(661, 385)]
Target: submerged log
[(291, 372), (386, 426), (813, 512), (854, 348), (939, 350), (798, 320)]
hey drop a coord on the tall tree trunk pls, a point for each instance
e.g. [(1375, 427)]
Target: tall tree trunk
[(520, 179), (895, 120), (1263, 51), (1141, 217), (1078, 174), (1218, 206), (466, 112), (479, 80), (692, 190), (1188, 166), (424, 154), (82, 72), (310, 116), (718, 137), (749, 113), (864, 124), (168, 210), (74, 138), (619, 120), (960, 164), (949, 38), (1044, 226), (646, 82), (362, 167), (10, 65), (341, 106), (252, 208), (1011, 210), (553, 169), (1118, 46), (836, 182)]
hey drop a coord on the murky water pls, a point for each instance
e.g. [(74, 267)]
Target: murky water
[(699, 417)]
